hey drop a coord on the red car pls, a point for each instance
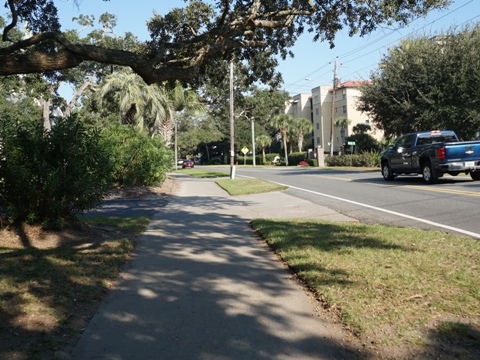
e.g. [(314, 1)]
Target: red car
[(188, 164)]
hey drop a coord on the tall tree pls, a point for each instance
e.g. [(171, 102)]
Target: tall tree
[(301, 126), (428, 83), (196, 133), (136, 99), (89, 73), (179, 99), (343, 123), (263, 140), (188, 43), (283, 123), (363, 141)]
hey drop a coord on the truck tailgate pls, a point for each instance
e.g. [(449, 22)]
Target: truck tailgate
[(463, 151)]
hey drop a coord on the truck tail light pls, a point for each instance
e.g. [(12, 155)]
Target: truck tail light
[(441, 153)]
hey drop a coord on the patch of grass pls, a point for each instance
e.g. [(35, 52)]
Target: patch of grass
[(52, 282), (204, 173), (389, 284), (249, 186)]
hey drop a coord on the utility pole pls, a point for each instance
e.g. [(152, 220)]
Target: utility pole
[(253, 140), (232, 127), (176, 150), (333, 105)]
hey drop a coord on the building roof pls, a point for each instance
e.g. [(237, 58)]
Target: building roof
[(353, 83)]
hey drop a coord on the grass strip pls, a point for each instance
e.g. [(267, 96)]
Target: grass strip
[(204, 173), (249, 186), (393, 285)]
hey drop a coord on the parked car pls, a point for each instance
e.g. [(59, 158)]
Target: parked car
[(432, 154), (188, 163)]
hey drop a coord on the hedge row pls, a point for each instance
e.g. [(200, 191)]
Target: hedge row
[(366, 159)]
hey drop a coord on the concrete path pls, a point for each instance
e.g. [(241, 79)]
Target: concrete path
[(202, 285)]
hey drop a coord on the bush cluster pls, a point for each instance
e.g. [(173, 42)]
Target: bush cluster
[(49, 176), (258, 159), (365, 159), (138, 159), (295, 158)]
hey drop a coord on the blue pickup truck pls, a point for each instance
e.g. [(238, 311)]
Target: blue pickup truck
[(432, 154)]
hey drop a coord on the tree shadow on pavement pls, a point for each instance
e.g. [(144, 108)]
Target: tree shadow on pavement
[(200, 286)]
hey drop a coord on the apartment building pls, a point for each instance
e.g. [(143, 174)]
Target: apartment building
[(300, 106), (319, 104)]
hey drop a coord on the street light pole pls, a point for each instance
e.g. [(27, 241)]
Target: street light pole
[(232, 133)]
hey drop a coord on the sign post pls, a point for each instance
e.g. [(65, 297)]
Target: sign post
[(351, 143), (244, 151)]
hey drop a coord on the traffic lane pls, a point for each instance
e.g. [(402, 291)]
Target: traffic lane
[(407, 196), (413, 199)]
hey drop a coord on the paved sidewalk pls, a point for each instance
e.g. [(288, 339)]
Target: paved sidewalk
[(202, 286)]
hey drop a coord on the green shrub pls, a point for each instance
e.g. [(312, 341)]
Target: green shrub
[(270, 157), (249, 160), (363, 142), (295, 158), (214, 161), (365, 159), (47, 177), (139, 160)]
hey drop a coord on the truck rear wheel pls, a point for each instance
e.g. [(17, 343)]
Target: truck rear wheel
[(387, 171), (475, 175), (428, 174)]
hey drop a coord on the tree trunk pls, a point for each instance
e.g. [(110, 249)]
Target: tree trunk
[(46, 114), (300, 142), (208, 153), (284, 136), (78, 93), (165, 129)]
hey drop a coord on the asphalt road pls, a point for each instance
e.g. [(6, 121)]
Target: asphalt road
[(452, 205)]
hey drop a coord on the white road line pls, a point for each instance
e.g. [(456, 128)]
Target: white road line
[(447, 227)]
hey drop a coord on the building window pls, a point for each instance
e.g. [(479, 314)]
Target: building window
[(316, 111), (344, 108), (316, 99), (318, 126), (318, 140), (367, 122), (344, 94)]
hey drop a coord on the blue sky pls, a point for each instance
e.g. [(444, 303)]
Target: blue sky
[(357, 57)]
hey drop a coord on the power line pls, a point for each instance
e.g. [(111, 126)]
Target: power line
[(359, 49)]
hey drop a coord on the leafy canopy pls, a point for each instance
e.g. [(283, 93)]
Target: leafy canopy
[(188, 43), (428, 83)]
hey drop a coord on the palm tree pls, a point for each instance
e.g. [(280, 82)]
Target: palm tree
[(179, 99), (343, 122), (264, 140), (283, 123), (300, 126), (136, 99)]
